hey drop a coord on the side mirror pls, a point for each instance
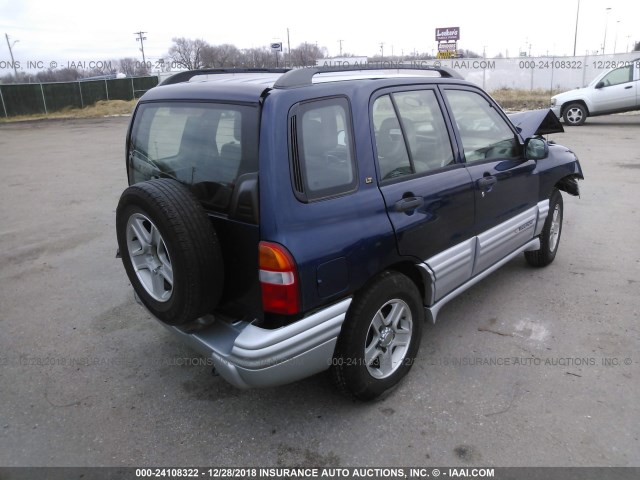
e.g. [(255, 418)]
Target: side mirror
[(536, 148), (599, 84)]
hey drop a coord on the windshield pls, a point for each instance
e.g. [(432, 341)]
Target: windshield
[(206, 146)]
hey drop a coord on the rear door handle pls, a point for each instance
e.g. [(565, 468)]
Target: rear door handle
[(627, 88), (409, 203)]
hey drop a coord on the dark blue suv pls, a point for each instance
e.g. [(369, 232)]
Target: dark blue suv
[(290, 222)]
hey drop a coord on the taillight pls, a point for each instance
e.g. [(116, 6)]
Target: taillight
[(278, 280)]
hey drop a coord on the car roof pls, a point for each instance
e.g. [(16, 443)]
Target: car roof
[(249, 85), (243, 91)]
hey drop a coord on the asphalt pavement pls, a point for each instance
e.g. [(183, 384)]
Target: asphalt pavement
[(532, 367)]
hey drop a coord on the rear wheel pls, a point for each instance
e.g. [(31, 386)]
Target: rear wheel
[(550, 236), (169, 250), (575, 114), (380, 338)]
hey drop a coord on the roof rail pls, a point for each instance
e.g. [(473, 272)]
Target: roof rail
[(304, 76), (188, 75)]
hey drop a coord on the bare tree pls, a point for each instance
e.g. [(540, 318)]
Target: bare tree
[(61, 75), (164, 64), (306, 54), (10, 78), (468, 53), (132, 67), (187, 53), (259, 58), (225, 55), (102, 69)]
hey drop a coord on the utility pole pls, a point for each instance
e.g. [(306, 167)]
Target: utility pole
[(382, 49), (15, 70), (288, 49), (141, 39), (575, 36), (606, 25), (340, 42)]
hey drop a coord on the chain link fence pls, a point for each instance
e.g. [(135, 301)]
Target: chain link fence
[(37, 98)]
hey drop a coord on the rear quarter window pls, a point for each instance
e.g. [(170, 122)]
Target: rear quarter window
[(321, 149), (203, 145)]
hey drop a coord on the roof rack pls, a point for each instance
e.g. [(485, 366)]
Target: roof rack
[(188, 75), (304, 76)]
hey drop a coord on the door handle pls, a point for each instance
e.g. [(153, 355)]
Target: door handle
[(627, 88), (486, 182), (408, 203)]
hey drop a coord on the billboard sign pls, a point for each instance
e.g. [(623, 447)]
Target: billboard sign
[(447, 47), (447, 34)]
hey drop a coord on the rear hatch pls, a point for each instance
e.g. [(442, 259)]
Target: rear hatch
[(212, 148)]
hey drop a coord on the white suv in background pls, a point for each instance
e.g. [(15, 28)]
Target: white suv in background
[(613, 91)]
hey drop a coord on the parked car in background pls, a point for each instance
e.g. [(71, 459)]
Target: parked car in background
[(613, 91)]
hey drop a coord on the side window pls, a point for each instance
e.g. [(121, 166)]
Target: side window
[(618, 76), (424, 129), (393, 158), (321, 144), (485, 134), (411, 136)]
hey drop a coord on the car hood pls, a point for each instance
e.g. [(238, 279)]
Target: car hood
[(536, 122)]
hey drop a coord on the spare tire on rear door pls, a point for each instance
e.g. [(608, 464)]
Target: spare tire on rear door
[(169, 250)]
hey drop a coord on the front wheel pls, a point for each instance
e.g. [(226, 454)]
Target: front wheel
[(380, 337), (550, 236), (575, 114)]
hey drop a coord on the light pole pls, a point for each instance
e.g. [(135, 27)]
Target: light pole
[(606, 24), (575, 37), (615, 42)]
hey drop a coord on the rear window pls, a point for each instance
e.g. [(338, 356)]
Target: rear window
[(203, 145)]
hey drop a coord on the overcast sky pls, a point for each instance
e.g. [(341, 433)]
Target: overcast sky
[(68, 30)]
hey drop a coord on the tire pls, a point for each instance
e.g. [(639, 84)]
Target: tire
[(575, 114), (169, 250), (550, 236), (362, 366)]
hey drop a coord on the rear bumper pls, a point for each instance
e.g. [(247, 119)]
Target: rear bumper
[(249, 356)]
